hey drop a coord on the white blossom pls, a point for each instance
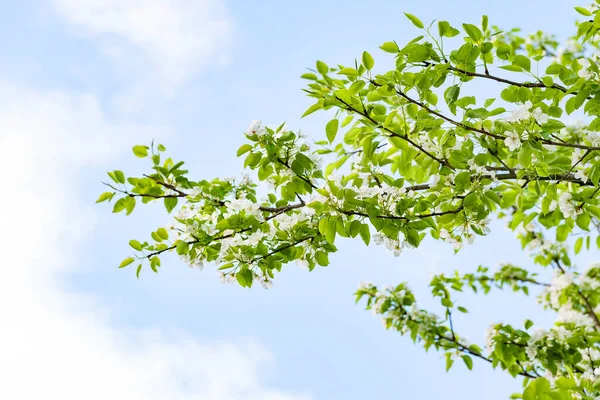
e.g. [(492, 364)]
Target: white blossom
[(521, 113), (539, 116), (512, 141), (566, 206), (256, 128)]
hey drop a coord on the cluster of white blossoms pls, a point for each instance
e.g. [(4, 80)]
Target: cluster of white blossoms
[(552, 294), (236, 206), (585, 71), (394, 245), (490, 336), (447, 236), (566, 205), (521, 114), (256, 128)]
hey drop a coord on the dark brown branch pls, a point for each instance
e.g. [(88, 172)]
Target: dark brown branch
[(395, 134), (480, 130), (503, 80)]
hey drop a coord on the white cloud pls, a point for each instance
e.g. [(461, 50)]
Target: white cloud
[(180, 37), (60, 345)]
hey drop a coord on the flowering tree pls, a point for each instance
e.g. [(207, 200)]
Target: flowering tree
[(408, 156)]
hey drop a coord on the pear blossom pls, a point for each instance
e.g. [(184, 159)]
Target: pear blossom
[(520, 114), (512, 141), (539, 116), (584, 72), (256, 128)]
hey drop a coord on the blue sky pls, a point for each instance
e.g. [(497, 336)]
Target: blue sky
[(81, 81)]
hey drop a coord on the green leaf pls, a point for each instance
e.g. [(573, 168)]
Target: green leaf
[(348, 72), (162, 233), (321, 258), (583, 221), (484, 22), (309, 76), (105, 196), (327, 228), (473, 32), (312, 109), (160, 147), (367, 60), (139, 269), (365, 233), (135, 245), (513, 68), (468, 361), (528, 324), (331, 129), (583, 11), (170, 203), (416, 21), (126, 262), (578, 245), (119, 205), (390, 47), (140, 151), (322, 67), (446, 30), (449, 361), (451, 94), (244, 149), (522, 62), (562, 232), (244, 277), (119, 176), (525, 156), (503, 51), (129, 204)]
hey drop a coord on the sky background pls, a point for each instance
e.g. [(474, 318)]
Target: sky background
[(81, 81)]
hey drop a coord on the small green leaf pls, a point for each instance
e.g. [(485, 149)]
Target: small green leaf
[(583, 11), (139, 269), (170, 203), (321, 258), (365, 233), (367, 60), (119, 205), (562, 232), (322, 67), (126, 262), (348, 72), (309, 76), (331, 129), (473, 32), (468, 362), (416, 21), (528, 324), (522, 62), (390, 47), (578, 245), (105, 196), (135, 245), (244, 149), (451, 94), (129, 204), (244, 277), (162, 233), (312, 109), (119, 176), (140, 151)]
